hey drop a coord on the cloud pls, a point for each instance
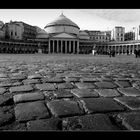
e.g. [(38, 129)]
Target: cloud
[(118, 15)]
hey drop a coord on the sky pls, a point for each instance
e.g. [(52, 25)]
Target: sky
[(86, 19)]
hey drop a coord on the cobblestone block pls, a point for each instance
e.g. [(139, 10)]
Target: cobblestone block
[(5, 100), (28, 97), (14, 126), (63, 93), (5, 84), (19, 77), (100, 105), (24, 88), (52, 80), (31, 81), (30, 111), (123, 84), (85, 85), (45, 124), (45, 86), (16, 83), (130, 91), (108, 92), (92, 80), (2, 90), (72, 79), (84, 93), (6, 118), (63, 108), (95, 122), (65, 86), (130, 120), (132, 103), (34, 76), (106, 85)]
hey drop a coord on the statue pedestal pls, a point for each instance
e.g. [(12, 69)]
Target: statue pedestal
[(39, 50)]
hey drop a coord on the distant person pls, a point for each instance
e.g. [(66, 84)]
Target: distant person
[(127, 52), (136, 53)]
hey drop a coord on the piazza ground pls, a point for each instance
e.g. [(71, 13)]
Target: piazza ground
[(69, 92)]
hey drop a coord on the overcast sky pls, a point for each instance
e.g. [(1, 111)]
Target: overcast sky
[(86, 19)]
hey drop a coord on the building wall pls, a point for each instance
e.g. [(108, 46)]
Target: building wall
[(29, 32), (14, 31), (118, 33), (99, 36), (129, 36)]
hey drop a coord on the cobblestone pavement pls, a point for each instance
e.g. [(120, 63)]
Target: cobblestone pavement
[(69, 92)]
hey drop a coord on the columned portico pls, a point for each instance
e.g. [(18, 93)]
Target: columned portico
[(63, 46)]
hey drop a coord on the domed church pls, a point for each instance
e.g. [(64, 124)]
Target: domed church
[(64, 36)]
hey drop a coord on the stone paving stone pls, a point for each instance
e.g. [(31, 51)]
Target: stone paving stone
[(30, 81), (94, 122), (23, 88), (15, 126), (106, 85), (18, 77), (89, 80), (16, 83), (5, 84), (132, 103), (72, 79), (131, 91), (49, 95), (108, 92), (34, 76), (45, 124), (45, 86), (84, 93), (63, 108), (65, 86), (2, 90), (99, 105), (2, 75), (130, 120), (85, 85), (52, 80), (123, 84), (30, 111), (5, 100), (28, 97), (63, 93), (6, 118)]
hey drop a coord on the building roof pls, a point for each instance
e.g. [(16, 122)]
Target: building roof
[(62, 20)]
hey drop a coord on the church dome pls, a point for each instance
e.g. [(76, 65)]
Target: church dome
[(83, 35), (62, 24), (42, 34)]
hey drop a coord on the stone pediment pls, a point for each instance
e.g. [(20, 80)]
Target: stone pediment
[(63, 35)]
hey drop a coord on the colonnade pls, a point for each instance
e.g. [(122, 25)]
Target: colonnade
[(118, 48), (63, 46)]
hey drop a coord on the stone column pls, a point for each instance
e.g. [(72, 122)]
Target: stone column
[(49, 47), (57, 47), (77, 47), (70, 46), (53, 46), (61, 47), (73, 46), (65, 46), (132, 49)]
